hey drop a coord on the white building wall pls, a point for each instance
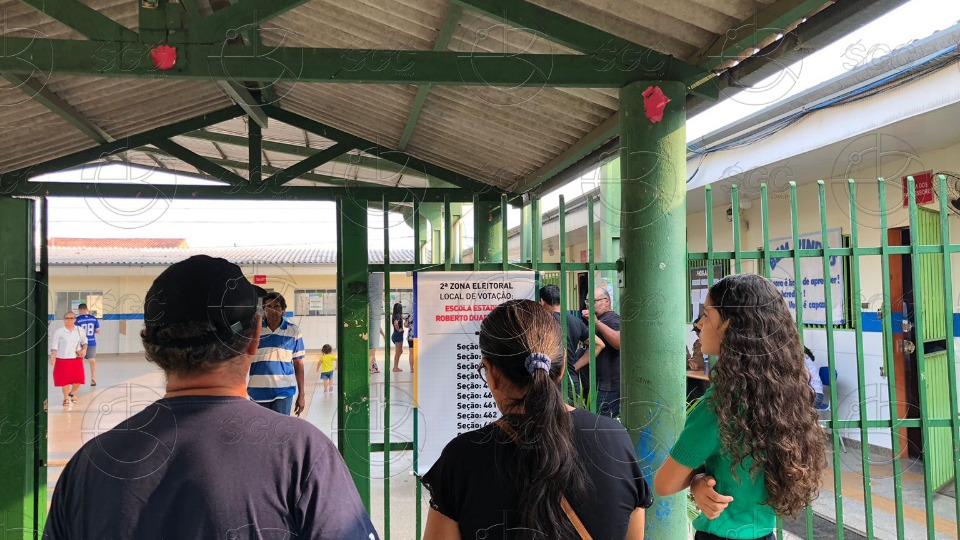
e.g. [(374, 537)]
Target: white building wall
[(124, 288)]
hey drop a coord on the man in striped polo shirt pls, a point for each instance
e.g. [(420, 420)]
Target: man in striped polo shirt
[(276, 374)]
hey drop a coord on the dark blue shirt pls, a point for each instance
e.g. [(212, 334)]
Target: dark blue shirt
[(208, 467), (90, 325)]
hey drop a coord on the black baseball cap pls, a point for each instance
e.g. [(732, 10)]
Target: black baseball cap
[(200, 289)]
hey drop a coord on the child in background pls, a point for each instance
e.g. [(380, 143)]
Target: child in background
[(326, 365)]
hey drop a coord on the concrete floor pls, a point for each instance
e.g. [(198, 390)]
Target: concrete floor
[(127, 383)]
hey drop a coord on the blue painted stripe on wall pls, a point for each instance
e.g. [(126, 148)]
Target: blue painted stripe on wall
[(870, 323)]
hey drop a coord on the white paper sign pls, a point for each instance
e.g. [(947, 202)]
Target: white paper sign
[(451, 397)]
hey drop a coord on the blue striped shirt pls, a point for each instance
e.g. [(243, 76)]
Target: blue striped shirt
[(271, 373)]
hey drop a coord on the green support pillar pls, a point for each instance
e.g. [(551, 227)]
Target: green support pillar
[(609, 210), (352, 326), (422, 225), (526, 232), (456, 213), (653, 225), (434, 213), (488, 239), (422, 228), (23, 495)]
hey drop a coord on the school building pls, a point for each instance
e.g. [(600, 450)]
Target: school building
[(112, 277)]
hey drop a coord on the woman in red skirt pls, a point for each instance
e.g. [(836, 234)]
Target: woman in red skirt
[(67, 348)]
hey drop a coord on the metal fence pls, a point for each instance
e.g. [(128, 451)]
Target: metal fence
[(498, 259), (928, 315)]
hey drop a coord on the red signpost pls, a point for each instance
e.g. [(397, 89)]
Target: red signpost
[(923, 185)]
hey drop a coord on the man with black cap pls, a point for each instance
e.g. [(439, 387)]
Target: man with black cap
[(204, 461)]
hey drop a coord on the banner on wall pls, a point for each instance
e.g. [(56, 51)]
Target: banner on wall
[(700, 285), (450, 396), (812, 281)]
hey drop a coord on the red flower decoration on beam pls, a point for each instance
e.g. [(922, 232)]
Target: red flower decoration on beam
[(654, 102), (164, 56)]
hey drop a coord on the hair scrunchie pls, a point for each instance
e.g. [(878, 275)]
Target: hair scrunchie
[(537, 361)]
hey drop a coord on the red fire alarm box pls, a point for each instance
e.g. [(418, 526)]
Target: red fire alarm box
[(260, 279)]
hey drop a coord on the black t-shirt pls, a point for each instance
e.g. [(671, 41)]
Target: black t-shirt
[(577, 332), (473, 482), (608, 361), (207, 467)]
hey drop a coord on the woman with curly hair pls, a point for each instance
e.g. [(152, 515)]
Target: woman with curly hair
[(753, 447)]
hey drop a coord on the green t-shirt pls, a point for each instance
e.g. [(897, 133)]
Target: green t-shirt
[(747, 517)]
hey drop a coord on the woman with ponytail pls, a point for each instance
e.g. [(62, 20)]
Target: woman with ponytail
[(752, 448), (544, 470)]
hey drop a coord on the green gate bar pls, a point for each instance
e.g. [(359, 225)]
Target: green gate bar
[(562, 240), (948, 316), (353, 377), (798, 296), (921, 356), (22, 497), (889, 360), (591, 306), (387, 370), (861, 376), (765, 269), (653, 226), (42, 299), (504, 234), (418, 498), (831, 364)]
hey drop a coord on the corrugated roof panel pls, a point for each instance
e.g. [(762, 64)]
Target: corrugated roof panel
[(636, 21), (491, 134), (357, 24), (124, 107), (31, 131), (376, 113)]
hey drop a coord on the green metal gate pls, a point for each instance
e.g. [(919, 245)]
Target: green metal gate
[(937, 450), (929, 250), (490, 253)]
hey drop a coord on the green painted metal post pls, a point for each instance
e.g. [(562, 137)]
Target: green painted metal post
[(456, 243), (889, 359), (918, 320), (610, 223), (487, 240), (21, 494), (387, 308), (353, 434), (526, 235), (948, 318), (831, 357), (653, 307), (433, 212), (417, 235), (254, 152)]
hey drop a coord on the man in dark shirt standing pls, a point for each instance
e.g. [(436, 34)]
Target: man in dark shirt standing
[(577, 333), (205, 461), (608, 361)]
